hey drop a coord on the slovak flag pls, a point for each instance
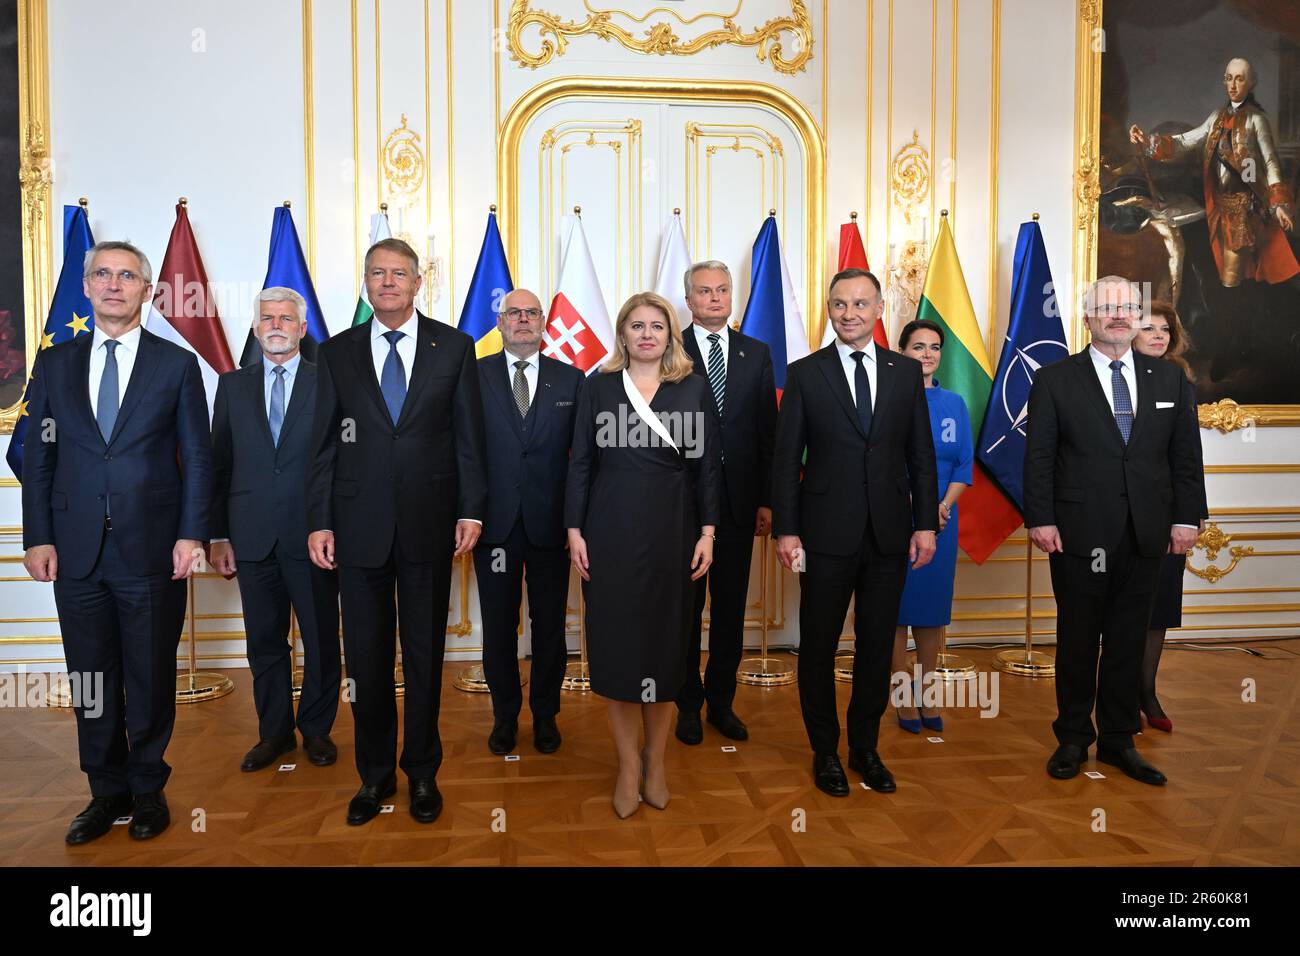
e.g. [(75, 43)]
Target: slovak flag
[(578, 330)]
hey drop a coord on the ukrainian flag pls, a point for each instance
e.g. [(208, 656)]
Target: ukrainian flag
[(491, 283)]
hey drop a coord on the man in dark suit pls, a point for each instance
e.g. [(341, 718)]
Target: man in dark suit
[(396, 490), (261, 449), (848, 524), (739, 371), (529, 403), (1112, 483), (115, 513)]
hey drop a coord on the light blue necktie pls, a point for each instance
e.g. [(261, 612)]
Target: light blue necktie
[(1123, 400), (392, 383), (276, 416), (106, 407)]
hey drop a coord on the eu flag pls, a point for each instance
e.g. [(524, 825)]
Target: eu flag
[(1035, 337), (487, 290), (286, 266), (69, 314)]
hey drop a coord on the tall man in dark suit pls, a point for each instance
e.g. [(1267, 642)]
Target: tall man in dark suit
[(739, 370), (1112, 483), (529, 402), (115, 513), (261, 450), (396, 489), (861, 413)]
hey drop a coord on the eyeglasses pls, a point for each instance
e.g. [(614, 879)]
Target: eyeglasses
[(1107, 311), (514, 315), (126, 276)]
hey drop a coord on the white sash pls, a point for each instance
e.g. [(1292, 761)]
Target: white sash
[(642, 408)]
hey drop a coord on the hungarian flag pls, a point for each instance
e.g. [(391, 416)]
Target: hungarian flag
[(772, 315), (183, 309), (378, 230), (487, 290), (578, 330), (674, 260), (854, 256), (987, 516)]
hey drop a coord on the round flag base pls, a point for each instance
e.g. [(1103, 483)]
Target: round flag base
[(1025, 663), (577, 677), (950, 667), (765, 672), (844, 667), (472, 680), (202, 685)]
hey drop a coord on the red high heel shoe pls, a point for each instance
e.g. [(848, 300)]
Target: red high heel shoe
[(1159, 723)]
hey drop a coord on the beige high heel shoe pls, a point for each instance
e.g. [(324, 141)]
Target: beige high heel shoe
[(626, 807), (657, 800)]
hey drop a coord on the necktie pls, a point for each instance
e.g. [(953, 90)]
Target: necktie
[(106, 407), (392, 383), (862, 390), (1123, 400), (521, 388), (276, 416), (717, 370)]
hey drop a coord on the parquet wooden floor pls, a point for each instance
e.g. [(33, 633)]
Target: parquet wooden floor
[(981, 797)]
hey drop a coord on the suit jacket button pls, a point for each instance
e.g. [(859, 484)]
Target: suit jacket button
[(108, 458), (277, 471)]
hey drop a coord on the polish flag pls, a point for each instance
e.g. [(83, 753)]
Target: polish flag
[(578, 330), (183, 310)]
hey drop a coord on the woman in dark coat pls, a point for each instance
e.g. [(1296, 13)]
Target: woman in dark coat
[(641, 506), (1162, 336)]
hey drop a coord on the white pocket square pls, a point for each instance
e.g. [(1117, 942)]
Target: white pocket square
[(1164, 404)]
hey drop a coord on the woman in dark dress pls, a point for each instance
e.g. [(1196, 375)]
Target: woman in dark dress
[(641, 506), (1162, 336)]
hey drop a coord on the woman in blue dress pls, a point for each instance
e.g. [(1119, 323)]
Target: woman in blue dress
[(927, 596)]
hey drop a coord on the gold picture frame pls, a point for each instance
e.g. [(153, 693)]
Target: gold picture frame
[(35, 178), (1225, 415)]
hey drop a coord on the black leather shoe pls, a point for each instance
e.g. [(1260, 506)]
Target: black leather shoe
[(728, 724), (267, 751), (502, 738), (689, 729), (546, 735), (1066, 760), (828, 774), (97, 819), (321, 750), (150, 817), (1133, 764), (873, 770), (426, 801), (365, 805)]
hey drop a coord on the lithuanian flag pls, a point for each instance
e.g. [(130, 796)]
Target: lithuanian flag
[(987, 515)]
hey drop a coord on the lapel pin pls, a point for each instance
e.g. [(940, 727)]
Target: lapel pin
[(741, 354)]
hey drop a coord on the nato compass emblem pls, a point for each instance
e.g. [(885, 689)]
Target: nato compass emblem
[(1019, 379)]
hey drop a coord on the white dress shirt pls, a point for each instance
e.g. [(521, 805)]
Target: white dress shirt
[(379, 348), (1101, 363), (702, 340), (128, 346), (530, 373), (290, 376), (851, 368)]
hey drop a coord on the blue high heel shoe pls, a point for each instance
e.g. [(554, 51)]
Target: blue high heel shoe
[(934, 723), (911, 726)]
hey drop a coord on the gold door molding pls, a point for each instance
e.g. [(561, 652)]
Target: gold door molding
[(34, 179), (546, 94), (1225, 415), (734, 137), (660, 37)]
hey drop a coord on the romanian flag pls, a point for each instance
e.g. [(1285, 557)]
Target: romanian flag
[(987, 516), (487, 290)]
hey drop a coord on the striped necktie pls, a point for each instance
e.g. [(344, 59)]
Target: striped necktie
[(717, 371), (521, 388)]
